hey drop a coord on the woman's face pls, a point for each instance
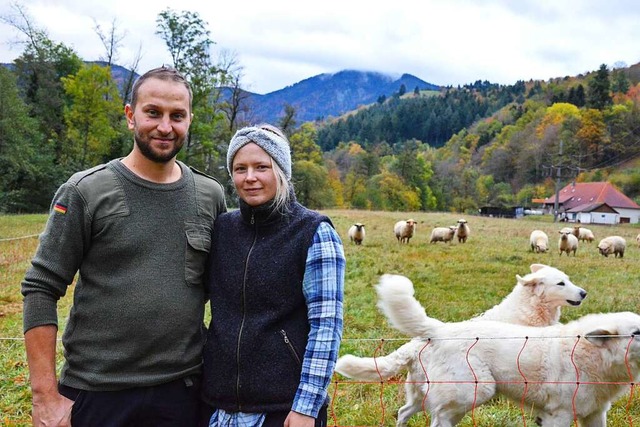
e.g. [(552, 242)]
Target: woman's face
[(253, 175)]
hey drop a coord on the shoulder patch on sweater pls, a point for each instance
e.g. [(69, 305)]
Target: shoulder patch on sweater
[(199, 172), (60, 208)]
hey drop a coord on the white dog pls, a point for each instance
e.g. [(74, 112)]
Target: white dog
[(536, 300), (552, 369)]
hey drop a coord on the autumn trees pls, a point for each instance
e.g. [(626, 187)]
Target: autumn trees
[(454, 150)]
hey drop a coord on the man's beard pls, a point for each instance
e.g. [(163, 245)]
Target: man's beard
[(149, 153)]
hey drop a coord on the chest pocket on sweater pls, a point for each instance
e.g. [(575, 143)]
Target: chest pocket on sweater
[(197, 249)]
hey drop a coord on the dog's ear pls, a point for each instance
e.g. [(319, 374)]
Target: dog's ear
[(527, 280), (536, 267), (599, 337)]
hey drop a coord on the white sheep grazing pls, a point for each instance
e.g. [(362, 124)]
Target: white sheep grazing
[(357, 233), (612, 245), (566, 229), (462, 231), (638, 239), (539, 241), (443, 234), (568, 243), (404, 230), (583, 234)]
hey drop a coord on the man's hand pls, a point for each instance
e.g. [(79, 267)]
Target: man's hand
[(51, 410)]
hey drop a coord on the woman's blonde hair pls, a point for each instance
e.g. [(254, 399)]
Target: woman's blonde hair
[(283, 188)]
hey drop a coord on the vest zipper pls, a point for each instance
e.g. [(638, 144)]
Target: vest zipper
[(287, 341), (244, 312)]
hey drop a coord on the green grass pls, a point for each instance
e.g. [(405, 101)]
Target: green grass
[(453, 282)]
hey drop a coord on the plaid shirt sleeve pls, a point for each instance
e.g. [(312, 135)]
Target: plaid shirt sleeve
[(323, 287)]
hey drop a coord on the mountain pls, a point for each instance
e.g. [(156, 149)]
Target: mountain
[(316, 98), (330, 95), (120, 74)]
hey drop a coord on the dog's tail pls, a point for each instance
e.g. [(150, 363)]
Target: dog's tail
[(405, 313), (379, 368)]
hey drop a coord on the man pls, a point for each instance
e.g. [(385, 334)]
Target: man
[(138, 231)]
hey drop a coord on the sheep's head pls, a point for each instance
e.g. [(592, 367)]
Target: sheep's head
[(541, 247), (359, 226), (604, 246)]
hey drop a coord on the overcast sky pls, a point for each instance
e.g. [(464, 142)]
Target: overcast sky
[(280, 42)]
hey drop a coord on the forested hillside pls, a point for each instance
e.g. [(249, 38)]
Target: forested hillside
[(454, 150), (486, 144), (421, 116)]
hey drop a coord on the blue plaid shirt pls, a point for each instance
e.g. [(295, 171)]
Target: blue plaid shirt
[(323, 288)]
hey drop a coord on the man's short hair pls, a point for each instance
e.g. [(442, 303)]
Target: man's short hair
[(166, 73)]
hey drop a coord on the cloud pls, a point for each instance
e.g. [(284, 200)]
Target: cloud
[(443, 42)]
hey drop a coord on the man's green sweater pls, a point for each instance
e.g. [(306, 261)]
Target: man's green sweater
[(140, 250)]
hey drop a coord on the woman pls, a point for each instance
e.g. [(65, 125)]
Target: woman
[(276, 281)]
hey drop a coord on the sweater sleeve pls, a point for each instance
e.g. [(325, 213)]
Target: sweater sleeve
[(57, 259), (323, 287)]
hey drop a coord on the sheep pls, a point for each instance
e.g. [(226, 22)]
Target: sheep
[(566, 230), (583, 234), (404, 230), (612, 245), (462, 231), (443, 234), (357, 233), (568, 243), (638, 239), (539, 241)]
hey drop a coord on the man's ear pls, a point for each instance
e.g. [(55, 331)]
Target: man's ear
[(128, 112)]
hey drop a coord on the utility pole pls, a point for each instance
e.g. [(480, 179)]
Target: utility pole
[(556, 205)]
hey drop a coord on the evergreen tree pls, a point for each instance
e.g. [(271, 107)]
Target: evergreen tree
[(40, 69), (29, 177), (599, 95), (576, 96), (620, 82)]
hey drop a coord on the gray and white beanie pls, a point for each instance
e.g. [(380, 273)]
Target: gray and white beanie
[(275, 145)]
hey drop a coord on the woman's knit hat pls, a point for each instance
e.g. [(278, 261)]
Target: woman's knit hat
[(267, 137)]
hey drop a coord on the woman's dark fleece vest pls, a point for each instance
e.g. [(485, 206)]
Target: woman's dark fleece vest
[(259, 325)]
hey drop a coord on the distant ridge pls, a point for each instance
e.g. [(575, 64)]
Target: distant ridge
[(331, 95), (314, 99)]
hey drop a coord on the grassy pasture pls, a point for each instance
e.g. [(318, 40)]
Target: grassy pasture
[(453, 281)]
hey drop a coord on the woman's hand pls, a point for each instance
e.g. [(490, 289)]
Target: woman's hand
[(295, 419)]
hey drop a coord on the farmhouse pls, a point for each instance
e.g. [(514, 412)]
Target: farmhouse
[(593, 203)]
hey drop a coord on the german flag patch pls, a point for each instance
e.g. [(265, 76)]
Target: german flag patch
[(60, 208)]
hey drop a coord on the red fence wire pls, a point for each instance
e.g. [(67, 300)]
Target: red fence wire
[(336, 418), (427, 382)]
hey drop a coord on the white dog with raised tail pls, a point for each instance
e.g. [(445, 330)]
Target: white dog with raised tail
[(536, 300), (562, 372)]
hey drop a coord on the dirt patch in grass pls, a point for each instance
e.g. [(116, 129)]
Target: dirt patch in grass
[(7, 309)]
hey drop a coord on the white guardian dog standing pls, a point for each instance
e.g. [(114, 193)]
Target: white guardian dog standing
[(536, 300), (559, 371)]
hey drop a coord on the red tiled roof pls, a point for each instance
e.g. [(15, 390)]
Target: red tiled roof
[(590, 207), (582, 193)]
